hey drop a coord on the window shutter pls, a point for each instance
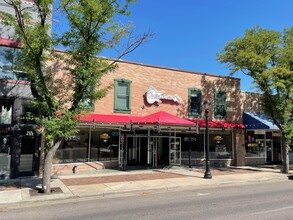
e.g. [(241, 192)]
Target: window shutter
[(194, 102), (220, 104), (122, 92)]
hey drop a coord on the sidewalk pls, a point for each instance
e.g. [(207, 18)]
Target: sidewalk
[(112, 182)]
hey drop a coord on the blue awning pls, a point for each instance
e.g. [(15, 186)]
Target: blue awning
[(253, 120)]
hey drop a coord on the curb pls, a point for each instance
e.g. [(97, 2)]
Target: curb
[(69, 195)]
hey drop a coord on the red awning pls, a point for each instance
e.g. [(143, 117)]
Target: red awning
[(212, 124), (163, 118), (160, 117), (219, 124), (233, 125), (103, 118)]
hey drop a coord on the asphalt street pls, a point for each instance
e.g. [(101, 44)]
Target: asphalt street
[(271, 200)]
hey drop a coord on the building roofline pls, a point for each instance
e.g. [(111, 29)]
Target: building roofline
[(137, 63), (174, 69), (162, 67)]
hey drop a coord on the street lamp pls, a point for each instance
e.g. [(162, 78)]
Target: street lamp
[(207, 174)]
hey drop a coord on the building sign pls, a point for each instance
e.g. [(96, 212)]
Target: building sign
[(29, 133), (218, 139), (252, 145), (154, 95), (104, 137)]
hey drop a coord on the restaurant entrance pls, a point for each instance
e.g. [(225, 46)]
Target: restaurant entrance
[(153, 151)]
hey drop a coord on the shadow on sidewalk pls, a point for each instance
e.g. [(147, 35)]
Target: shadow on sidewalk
[(10, 185), (19, 183)]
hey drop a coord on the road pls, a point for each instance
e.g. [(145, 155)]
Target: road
[(270, 200)]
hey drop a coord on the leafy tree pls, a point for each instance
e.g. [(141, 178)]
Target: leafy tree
[(92, 28), (267, 56)]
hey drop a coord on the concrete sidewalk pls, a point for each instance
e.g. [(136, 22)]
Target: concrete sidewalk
[(112, 182)]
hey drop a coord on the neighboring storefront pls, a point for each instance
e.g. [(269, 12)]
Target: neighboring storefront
[(262, 140), (19, 142), (19, 151)]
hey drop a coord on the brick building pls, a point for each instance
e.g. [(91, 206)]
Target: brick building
[(153, 115), (262, 136)]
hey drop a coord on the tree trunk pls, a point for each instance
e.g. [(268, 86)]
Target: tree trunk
[(46, 187), (42, 157), (285, 155)]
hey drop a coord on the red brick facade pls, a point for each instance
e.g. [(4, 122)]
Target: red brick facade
[(171, 81)]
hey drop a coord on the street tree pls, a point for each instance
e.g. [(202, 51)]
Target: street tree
[(267, 57), (92, 28)]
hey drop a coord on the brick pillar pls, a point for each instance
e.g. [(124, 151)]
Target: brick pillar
[(239, 147)]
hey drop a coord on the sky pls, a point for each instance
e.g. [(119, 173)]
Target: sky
[(189, 33)]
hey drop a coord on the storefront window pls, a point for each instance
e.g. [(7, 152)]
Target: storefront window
[(255, 145), (5, 157), (102, 146), (220, 145), (29, 112)]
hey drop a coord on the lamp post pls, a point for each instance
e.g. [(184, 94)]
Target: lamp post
[(207, 174)]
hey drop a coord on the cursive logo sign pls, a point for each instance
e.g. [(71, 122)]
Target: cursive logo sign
[(154, 95)]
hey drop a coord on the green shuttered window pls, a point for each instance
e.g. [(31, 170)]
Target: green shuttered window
[(194, 102), (220, 104), (122, 101)]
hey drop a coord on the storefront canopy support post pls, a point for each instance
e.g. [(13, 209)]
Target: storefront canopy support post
[(89, 144), (189, 147)]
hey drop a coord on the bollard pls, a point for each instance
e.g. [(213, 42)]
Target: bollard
[(74, 169)]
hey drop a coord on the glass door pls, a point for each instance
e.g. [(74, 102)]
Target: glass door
[(122, 151), (28, 164), (269, 149), (5, 157), (153, 151), (133, 150), (175, 151)]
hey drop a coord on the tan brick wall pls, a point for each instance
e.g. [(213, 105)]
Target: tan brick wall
[(239, 148), (251, 102), (173, 82)]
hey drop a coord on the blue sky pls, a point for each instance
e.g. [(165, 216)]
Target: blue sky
[(189, 33)]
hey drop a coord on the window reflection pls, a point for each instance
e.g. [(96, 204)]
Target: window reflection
[(102, 146), (255, 145), (4, 157), (10, 66), (5, 111), (220, 145)]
